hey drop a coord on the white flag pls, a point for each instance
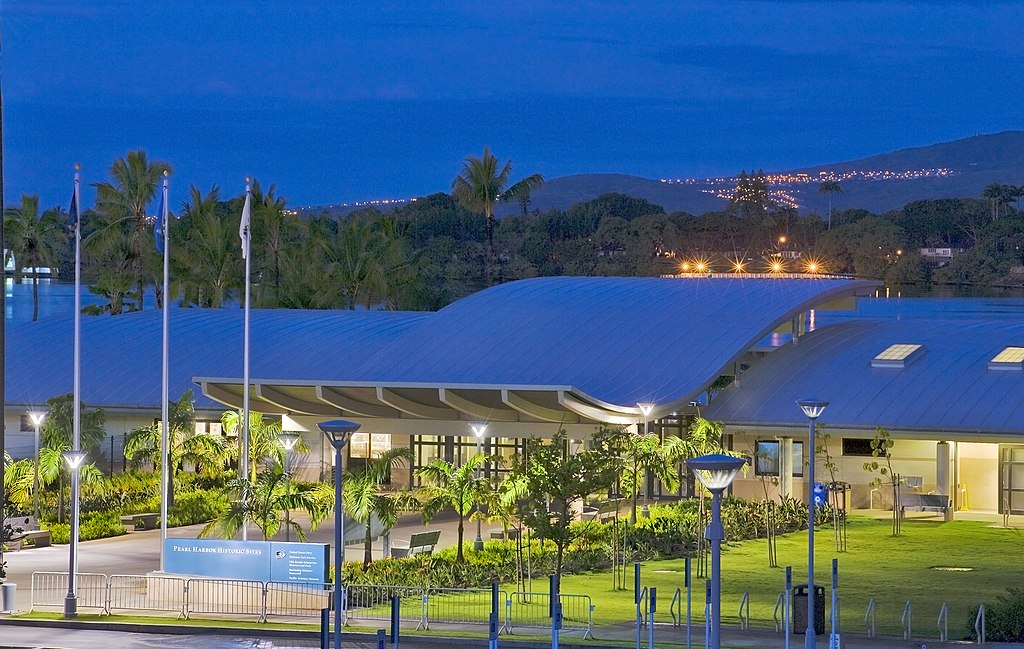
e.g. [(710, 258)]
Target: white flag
[(243, 228)]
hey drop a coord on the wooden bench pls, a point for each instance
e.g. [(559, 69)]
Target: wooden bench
[(146, 521), (25, 529), (924, 502), (419, 543)]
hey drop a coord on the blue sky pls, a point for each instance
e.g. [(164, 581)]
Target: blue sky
[(385, 99)]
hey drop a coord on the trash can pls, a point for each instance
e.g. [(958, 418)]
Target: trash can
[(7, 594), (800, 609)]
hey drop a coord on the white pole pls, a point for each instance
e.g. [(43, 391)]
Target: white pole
[(71, 601), (246, 250), (165, 446)]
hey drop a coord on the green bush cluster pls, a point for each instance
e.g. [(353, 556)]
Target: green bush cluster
[(92, 525), (199, 506), (670, 531), (1004, 618)]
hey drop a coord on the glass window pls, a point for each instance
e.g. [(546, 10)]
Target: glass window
[(766, 458), (857, 447), (368, 445)]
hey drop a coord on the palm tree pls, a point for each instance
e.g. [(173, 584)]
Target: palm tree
[(452, 486), (33, 240), (365, 500), (262, 501), (122, 204), (264, 447), (649, 456), (207, 453), (481, 184), (829, 187), (206, 265), (274, 230)]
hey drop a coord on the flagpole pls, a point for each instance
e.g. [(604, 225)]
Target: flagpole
[(71, 601), (165, 450), (246, 250)]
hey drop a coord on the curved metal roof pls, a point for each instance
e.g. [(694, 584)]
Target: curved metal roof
[(548, 348), (121, 356), (949, 388)]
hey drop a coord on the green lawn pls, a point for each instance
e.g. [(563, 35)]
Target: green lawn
[(891, 570)]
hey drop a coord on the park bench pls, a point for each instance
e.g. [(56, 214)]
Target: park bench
[(419, 543), (146, 521), (25, 529), (924, 502)]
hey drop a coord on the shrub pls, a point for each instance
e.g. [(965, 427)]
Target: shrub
[(196, 507), (1004, 619)]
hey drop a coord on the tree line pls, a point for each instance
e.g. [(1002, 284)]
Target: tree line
[(442, 247)]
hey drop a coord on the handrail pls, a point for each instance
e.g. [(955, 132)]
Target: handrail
[(979, 625), (906, 620), (943, 623), (869, 618), (780, 603), (677, 601), (642, 604), (744, 612)]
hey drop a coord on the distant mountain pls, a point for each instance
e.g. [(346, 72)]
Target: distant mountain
[(958, 169)]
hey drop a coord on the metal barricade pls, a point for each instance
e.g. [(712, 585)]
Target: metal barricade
[(372, 602), (225, 597), (294, 599), (146, 593), (533, 610), (461, 606), (49, 590)]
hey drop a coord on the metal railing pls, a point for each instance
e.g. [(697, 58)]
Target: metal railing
[(744, 611), (675, 608), (905, 621), (146, 593), (532, 610), (372, 602), (641, 607), (225, 597), (462, 606), (943, 623), (869, 618), (50, 589), (290, 599), (979, 625), (780, 607)]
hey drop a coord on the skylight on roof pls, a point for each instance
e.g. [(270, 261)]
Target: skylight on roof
[(898, 355), (1011, 358)]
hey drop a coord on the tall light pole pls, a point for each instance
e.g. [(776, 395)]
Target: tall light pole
[(716, 472), (478, 430), (74, 460), (645, 410), (338, 432), (288, 441), (813, 409), (37, 417)]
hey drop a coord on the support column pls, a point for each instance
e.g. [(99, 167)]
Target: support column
[(942, 473), (786, 467)]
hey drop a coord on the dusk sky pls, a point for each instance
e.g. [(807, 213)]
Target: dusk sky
[(333, 102)]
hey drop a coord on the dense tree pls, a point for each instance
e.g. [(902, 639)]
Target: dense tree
[(482, 183), (125, 227), (206, 266)]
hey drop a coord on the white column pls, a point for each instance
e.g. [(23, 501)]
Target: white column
[(942, 473), (786, 467)]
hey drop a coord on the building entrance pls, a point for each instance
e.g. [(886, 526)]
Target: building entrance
[(1011, 479)]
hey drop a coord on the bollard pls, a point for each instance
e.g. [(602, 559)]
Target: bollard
[(492, 626), (636, 600), (396, 619), (707, 613), (556, 624), (833, 639), (688, 590), (382, 638), (652, 606), (325, 628)]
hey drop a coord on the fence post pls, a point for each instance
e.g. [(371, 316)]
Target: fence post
[(263, 602), (688, 594), (381, 639), (508, 615), (636, 600), (424, 610)]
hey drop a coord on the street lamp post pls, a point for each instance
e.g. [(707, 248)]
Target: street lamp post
[(478, 430), (288, 441), (37, 421), (813, 409), (338, 432), (645, 410), (716, 472), (74, 460)]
